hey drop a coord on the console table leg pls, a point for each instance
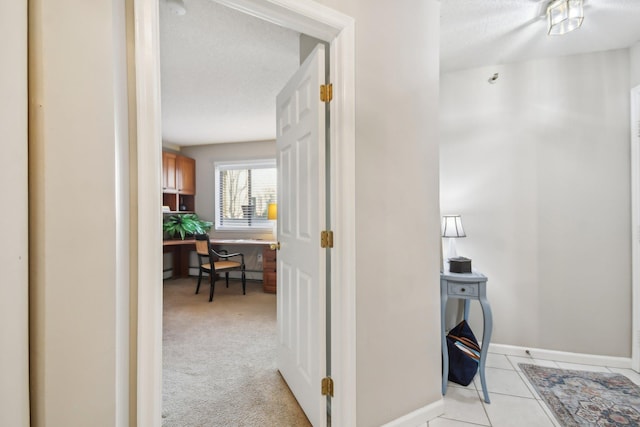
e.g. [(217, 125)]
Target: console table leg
[(445, 350), (486, 339)]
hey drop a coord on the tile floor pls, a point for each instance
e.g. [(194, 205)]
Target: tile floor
[(514, 402)]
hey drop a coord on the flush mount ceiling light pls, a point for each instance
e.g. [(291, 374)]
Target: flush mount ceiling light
[(564, 16)]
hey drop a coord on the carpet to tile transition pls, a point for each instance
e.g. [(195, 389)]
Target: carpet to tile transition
[(581, 398)]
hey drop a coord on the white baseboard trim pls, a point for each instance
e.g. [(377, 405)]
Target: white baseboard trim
[(561, 356), (419, 417)]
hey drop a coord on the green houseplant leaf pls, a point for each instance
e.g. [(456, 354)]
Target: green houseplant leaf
[(185, 225)]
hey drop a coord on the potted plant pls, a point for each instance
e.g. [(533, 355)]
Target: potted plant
[(185, 225)]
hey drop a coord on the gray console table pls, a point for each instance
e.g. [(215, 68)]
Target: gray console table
[(466, 286)]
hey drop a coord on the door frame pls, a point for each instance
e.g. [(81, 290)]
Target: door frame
[(635, 228), (304, 16)]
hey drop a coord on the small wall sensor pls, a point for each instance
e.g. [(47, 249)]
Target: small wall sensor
[(493, 78), (177, 7)]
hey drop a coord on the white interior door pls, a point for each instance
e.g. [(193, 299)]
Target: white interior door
[(301, 217)]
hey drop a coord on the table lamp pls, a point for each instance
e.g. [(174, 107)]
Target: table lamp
[(272, 215), (452, 229)]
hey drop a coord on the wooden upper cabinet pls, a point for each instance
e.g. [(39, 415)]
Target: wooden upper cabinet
[(178, 174), (178, 182), (186, 175), (169, 172)]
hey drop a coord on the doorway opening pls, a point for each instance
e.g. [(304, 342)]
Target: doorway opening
[(190, 43), (317, 21), (221, 364)]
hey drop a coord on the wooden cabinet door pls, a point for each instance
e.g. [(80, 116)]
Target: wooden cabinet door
[(269, 267), (186, 175), (169, 169)]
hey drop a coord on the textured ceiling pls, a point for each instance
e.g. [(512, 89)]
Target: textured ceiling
[(487, 32), (220, 73), (221, 69)]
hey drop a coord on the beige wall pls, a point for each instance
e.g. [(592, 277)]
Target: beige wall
[(397, 74), (537, 164), (77, 186), (14, 353)]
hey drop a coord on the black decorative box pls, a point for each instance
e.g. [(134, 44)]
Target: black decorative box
[(460, 265)]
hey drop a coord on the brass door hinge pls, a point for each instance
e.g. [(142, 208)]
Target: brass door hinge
[(326, 92), (326, 239), (327, 386)]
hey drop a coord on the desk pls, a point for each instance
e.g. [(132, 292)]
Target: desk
[(466, 286), (180, 250)]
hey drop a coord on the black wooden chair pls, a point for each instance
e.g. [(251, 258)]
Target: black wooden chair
[(214, 263)]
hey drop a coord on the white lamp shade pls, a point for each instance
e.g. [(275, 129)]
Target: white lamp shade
[(564, 16), (452, 226)]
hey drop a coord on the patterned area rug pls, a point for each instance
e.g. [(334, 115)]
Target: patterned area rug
[(580, 398)]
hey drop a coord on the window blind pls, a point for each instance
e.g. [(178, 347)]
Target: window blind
[(244, 191)]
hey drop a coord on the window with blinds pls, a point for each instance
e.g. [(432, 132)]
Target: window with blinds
[(243, 193)]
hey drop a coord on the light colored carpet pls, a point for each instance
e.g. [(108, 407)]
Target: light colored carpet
[(219, 358)]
